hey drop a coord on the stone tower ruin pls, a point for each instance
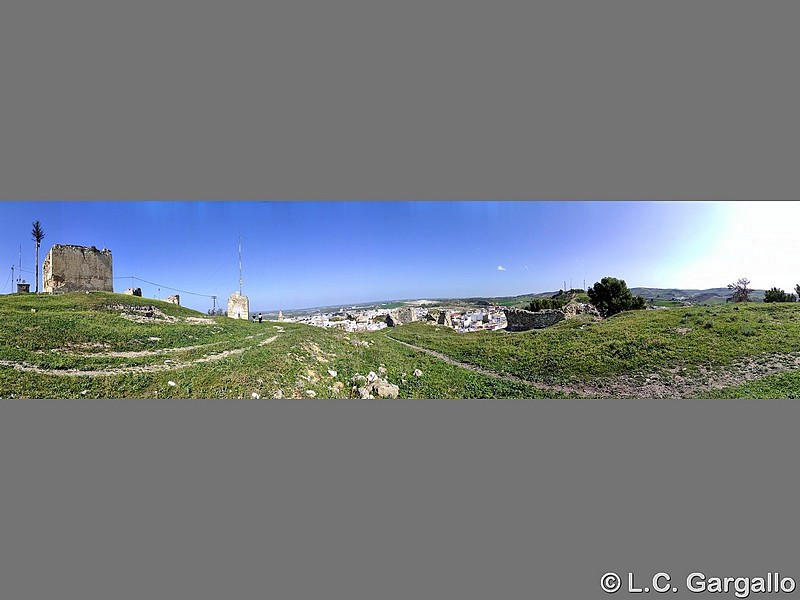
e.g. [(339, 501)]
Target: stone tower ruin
[(238, 306), (68, 268)]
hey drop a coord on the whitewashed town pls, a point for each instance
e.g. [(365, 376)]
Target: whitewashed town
[(462, 321)]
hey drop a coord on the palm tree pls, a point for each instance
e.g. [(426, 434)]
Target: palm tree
[(38, 235)]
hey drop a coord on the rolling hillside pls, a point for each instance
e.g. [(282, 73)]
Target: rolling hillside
[(104, 345)]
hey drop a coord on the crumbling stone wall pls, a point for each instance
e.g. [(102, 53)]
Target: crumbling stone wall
[(238, 306), (401, 316), (68, 268), (522, 320), (133, 292), (445, 318), (174, 299)]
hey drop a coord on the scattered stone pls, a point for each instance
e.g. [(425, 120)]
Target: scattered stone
[(417, 373), (154, 339), (372, 386), (84, 392), (133, 292), (332, 373), (311, 393), (382, 370), (278, 395), (171, 383), (385, 389), (255, 396)]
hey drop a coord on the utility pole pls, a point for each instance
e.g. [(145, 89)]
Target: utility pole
[(12, 279), (214, 309), (240, 264)]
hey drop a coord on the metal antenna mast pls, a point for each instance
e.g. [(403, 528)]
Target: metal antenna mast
[(240, 264)]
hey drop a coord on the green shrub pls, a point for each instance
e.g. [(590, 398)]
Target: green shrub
[(778, 295), (611, 296), (538, 304)]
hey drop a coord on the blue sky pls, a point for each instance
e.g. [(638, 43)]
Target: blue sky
[(304, 254)]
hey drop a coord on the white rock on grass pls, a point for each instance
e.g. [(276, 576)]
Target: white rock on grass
[(311, 393), (332, 373), (171, 383), (255, 396), (417, 373)]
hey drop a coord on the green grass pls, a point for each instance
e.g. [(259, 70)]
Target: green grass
[(77, 331), (297, 361), (581, 350)]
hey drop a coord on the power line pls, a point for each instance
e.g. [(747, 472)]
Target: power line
[(12, 283), (165, 286)]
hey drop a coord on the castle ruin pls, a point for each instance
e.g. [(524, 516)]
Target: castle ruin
[(69, 268), (238, 306)]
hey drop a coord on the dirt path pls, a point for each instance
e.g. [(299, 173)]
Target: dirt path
[(669, 384), (167, 366)]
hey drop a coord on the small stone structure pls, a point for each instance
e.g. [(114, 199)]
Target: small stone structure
[(174, 299), (133, 292), (238, 306), (523, 320), (23, 288), (69, 268), (445, 318)]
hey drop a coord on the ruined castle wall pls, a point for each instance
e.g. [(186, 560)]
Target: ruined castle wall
[(401, 316), (522, 320), (238, 306), (68, 268)]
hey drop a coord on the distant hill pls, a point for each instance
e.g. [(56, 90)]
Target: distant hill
[(663, 295), (710, 296)]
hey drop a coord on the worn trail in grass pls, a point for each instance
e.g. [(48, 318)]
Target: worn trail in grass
[(112, 346), (86, 346), (674, 353)]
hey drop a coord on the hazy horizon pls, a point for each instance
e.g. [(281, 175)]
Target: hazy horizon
[(301, 255)]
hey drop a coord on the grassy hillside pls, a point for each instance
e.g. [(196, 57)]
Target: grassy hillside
[(684, 342), (87, 346), (109, 346)]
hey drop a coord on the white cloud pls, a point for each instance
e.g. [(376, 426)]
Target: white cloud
[(501, 268)]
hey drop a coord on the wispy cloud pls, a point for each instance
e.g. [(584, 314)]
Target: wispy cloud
[(524, 267), (501, 268)]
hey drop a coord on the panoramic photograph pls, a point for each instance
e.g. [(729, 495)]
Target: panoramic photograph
[(399, 300)]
